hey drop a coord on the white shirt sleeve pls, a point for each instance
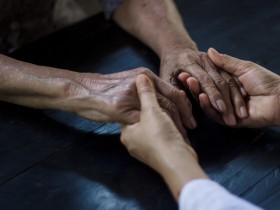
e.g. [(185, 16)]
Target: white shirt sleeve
[(204, 194)]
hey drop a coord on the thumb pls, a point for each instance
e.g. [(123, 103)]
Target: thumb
[(228, 63), (146, 92)]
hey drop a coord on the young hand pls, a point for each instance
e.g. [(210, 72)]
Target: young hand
[(261, 85), (156, 141)]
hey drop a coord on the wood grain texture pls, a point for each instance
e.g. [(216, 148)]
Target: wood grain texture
[(56, 160)]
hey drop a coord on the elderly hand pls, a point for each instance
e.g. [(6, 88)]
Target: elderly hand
[(113, 98), (156, 141), (223, 91), (262, 86), (103, 98)]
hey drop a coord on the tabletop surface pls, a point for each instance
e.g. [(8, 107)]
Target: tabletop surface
[(55, 160)]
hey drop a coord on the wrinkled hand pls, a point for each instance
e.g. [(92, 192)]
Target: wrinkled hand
[(223, 91), (261, 85), (118, 100), (155, 132)]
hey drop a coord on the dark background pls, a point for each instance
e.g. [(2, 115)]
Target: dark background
[(55, 160)]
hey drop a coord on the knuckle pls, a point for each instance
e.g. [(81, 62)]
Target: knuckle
[(204, 79), (174, 93), (231, 82), (222, 84), (144, 70), (184, 56), (118, 102), (171, 108), (239, 100)]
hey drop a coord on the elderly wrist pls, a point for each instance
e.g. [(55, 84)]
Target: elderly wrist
[(78, 92), (175, 48)]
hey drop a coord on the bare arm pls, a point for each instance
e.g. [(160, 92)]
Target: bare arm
[(157, 23), (34, 86)]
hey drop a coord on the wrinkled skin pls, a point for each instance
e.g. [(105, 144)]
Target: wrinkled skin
[(119, 101), (261, 85), (223, 91), (159, 25), (102, 98)]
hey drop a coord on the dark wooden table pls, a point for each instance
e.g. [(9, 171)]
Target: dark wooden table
[(55, 160)]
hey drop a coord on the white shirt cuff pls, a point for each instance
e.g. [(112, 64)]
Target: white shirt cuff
[(202, 194)]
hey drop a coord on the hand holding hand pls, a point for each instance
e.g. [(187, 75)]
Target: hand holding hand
[(103, 98), (156, 141), (223, 92), (261, 85), (113, 97)]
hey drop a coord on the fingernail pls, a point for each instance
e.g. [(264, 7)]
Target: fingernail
[(243, 91), (214, 51), (192, 122), (231, 119), (221, 105), (243, 111)]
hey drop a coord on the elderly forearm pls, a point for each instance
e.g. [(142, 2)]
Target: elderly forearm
[(37, 86), (155, 22)]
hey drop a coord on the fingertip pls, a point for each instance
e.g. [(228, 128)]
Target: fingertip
[(221, 105), (183, 93), (243, 92), (184, 75), (214, 55), (203, 97), (230, 120), (212, 52), (243, 112), (142, 81), (146, 92), (183, 78), (192, 123), (194, 86)]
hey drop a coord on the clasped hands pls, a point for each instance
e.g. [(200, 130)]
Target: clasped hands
[(156, 141)]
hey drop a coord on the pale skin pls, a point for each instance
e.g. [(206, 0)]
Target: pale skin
[(158, 24), (155, 140), (102, 98)]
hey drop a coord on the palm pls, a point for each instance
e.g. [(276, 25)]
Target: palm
[(261, 111), (257, 80), (261, 86)]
